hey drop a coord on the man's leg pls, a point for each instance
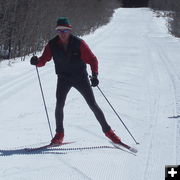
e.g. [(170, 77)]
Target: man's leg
[(63, 87), (84, 87)]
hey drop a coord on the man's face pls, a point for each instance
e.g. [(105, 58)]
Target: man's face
[(64, 34)]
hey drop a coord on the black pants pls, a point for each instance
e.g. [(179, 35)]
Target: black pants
[(82, 84)]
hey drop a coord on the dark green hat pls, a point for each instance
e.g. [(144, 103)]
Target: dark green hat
[(63, 23)]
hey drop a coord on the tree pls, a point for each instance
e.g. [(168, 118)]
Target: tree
[(29, 24), (135, 3), (173, 11)]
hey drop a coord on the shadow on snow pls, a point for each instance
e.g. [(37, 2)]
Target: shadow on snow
[(23, 151)]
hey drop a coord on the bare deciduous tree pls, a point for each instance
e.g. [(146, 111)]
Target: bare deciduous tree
[(26, 25)]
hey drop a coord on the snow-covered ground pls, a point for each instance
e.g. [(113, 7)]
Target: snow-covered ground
[(139, 73)]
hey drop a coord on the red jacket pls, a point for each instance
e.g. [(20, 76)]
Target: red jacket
[(86, 55)]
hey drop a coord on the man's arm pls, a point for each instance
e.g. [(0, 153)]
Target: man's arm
[(88, 57), (46, 56)]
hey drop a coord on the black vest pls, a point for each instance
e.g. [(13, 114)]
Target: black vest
[(68, 62)]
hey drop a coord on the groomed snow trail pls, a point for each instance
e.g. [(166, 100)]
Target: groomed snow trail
[(138, 72)]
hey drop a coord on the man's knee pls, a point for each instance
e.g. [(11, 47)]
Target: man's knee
[(93, 106)]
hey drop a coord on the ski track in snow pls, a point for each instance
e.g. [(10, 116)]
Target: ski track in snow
[(143, 87)]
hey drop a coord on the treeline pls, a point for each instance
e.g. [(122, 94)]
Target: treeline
[(27, 24), (135, 3), (172, 8)]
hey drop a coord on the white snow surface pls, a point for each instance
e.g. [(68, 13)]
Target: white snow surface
[(138, 72)]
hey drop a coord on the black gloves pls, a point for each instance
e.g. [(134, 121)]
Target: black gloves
[(34, 60), (94, 80)]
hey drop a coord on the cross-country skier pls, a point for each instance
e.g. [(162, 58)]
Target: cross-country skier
[(70, 55)]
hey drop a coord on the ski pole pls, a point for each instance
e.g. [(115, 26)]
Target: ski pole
[(44, 101), (117, 115)]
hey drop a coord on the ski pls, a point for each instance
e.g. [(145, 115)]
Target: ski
[(46, 146), (121, 144)]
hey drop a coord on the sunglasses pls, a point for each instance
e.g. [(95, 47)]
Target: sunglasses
[(63, 30)]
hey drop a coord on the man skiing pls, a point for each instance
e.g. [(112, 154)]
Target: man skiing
[(70, 55)]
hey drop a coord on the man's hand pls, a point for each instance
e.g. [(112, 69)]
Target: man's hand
[(94, 80), (34, 60)]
